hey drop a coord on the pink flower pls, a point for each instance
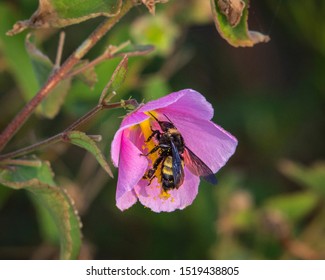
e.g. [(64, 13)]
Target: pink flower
[(190, 113)]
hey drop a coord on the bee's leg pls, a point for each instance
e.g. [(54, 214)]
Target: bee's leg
[(151, 172), (149, 175), (163, 147), (152, 151), (157, 162), (155, 133)]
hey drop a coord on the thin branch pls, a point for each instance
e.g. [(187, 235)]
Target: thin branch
[(110, 52), (22, 162), (62, 136), (29, 149), (85, 118), (57, 76), (59, 51)]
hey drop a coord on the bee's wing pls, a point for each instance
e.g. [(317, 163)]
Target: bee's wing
[(178, 171), (198, 167)]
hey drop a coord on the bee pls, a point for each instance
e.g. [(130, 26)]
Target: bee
[(173, 155)]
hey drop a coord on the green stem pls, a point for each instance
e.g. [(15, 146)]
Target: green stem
[(60, 74), (21, 162)]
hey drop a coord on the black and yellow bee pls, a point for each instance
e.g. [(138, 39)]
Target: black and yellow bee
[(173, 154)]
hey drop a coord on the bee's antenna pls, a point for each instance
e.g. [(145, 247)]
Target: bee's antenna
[(154, 117), (168, 119)]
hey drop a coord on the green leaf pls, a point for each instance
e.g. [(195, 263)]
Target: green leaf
[(310, 177), (38, 180), (82, 140), (51, 106), (119, 74), (230, 17), (60, 13), (47, 226), (117, 78), (293, 206), (43, 67), (14, 54)]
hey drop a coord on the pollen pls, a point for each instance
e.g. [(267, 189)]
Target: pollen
[(164, 195), (146, 130)]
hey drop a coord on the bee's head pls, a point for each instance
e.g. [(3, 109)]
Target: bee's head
[(165, 126)]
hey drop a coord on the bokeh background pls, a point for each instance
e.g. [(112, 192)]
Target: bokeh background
[(269, 201)]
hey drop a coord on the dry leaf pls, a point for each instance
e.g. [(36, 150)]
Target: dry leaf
[(232, 9)]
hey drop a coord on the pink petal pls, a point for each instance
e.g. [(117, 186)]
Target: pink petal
[(212, 144), (125, 199), (132, 167), (130, 120), (150, 196), (187, 101)]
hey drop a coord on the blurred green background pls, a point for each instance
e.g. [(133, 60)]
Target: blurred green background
[(269, 202)]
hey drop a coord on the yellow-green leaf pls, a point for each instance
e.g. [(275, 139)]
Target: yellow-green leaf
[(38, 180), (117, 78), (60, 13), (230, 17), (119, 74), (82, 140)]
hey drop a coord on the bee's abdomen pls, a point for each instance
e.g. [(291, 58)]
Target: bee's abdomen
[(167, 173), (167, 168)]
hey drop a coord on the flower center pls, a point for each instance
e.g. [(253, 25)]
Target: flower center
[(148, 146)]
